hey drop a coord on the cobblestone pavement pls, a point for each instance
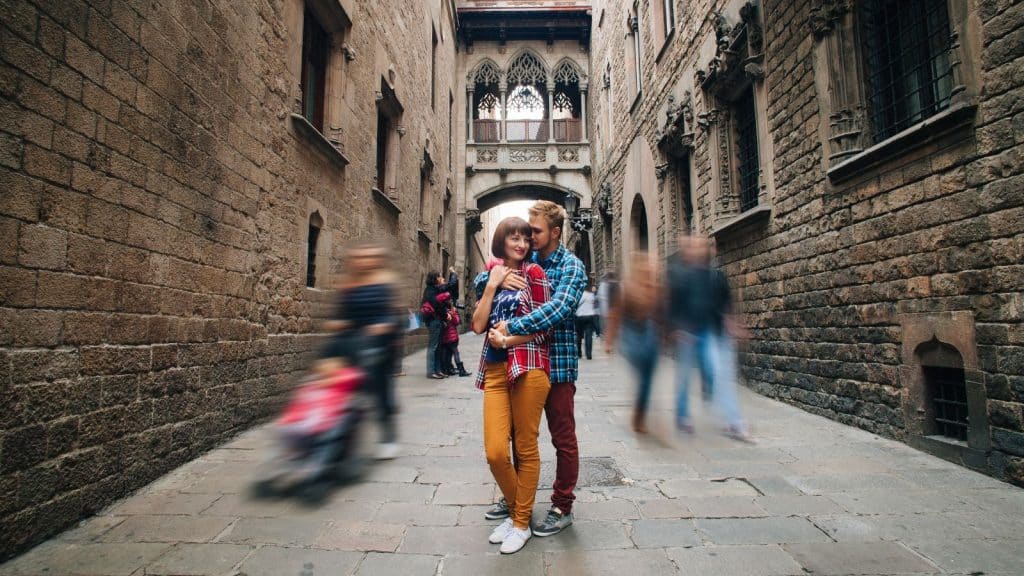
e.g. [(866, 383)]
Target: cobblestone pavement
[(812, 496)]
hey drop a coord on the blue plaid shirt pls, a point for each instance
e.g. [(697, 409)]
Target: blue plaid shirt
[(568, 279)]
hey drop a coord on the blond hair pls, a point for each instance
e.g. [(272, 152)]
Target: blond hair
[(552, 213)]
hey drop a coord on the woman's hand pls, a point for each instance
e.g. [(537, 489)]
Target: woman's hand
[(498, 275), (496, 339)]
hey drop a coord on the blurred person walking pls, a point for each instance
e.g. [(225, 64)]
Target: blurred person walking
[(514, 376), (368, 308), (607, 292), (586, 322), (568, 278), (634, 318), (434, 312), (700, 316)]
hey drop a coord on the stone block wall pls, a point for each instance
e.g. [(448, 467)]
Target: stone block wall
[(153, 227), (842, 265)]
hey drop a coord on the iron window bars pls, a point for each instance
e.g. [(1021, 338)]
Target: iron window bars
[(948, 393), (907, 57), (748, 161)]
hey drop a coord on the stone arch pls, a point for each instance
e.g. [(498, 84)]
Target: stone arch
[(527, 53), (568, 70), (639, 224), (527, 190), (486, 71)]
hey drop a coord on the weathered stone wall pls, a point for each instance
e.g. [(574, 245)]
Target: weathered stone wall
[(831, 280), (153, 220)]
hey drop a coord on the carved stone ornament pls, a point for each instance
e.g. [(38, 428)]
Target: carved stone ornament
[(825, 15), (519, 155), (487, 155), (706, 119), (676, 138), (661, 170), (473, 223), (568, 154), (739, 53), (604, 198)]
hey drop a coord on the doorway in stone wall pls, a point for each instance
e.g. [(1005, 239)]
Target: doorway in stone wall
[(638, 224)]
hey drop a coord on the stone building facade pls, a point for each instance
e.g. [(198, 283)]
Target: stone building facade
[(861, 166), (178, 183)]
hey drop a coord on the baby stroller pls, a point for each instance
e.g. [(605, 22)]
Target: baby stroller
[(319, 428)]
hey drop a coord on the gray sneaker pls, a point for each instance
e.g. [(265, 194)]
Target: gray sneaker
[(499, 511), (554, 523)]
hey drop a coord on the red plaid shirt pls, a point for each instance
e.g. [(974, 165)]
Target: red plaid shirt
[(533, 354)]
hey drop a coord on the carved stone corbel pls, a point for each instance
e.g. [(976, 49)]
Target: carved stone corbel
[(825, 16)]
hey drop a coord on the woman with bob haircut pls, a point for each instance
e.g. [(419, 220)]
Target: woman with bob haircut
[(515, 378)]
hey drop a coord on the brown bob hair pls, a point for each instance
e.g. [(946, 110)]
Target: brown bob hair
[(507, 227)]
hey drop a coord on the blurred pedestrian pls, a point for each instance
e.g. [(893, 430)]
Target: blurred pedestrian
[(700, 316), (634, 319), (607, 292), (453, 287), (586, 322), (515, 378), (368, 313), (434, 312)]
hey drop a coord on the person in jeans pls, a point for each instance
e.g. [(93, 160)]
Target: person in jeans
[(435, 286), (700, 308), (635, 319), (514, 376), (568, 278), (586, 322)]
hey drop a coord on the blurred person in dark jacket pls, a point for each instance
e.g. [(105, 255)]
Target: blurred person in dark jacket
[(704, 330)]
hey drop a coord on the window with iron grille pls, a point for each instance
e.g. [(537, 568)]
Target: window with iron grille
[(948, 393), (907, 61), (748, 164)]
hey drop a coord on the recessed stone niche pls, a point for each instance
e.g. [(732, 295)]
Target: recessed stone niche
[(938, 374)]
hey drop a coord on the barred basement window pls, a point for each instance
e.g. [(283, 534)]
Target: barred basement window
[(747, 157), (316, 49), (907, 57), (947, 391), (315, 224)]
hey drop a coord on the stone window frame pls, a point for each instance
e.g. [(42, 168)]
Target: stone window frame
[(388, 156), (736, 68), (333, 19), (955, 331), (841, 88), (635, 53), (664, 24), (675, 141)]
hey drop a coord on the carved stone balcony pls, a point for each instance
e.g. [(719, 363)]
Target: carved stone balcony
[(519, 156)]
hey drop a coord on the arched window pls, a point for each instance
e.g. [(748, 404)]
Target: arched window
[(486, 103), (316, 223), (567, 103), (638, 224), (527, 100)]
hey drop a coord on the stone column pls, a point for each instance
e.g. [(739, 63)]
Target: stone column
[(832, 23), (503, 89), (469, 116), (583, 113), (550, 85)]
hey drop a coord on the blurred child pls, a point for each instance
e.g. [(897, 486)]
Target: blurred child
[(450, 340)]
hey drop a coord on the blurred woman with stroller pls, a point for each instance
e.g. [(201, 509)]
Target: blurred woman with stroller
[(368, 311), (515, 378)]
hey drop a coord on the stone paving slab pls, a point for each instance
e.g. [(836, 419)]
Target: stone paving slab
[(812, 496), (838, 558)]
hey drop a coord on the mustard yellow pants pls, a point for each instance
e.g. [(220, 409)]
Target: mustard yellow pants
[(519, 409)]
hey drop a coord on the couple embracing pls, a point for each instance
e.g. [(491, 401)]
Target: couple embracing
[(526, 307)]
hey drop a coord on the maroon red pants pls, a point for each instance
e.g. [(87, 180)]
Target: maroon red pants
[(562, 425)]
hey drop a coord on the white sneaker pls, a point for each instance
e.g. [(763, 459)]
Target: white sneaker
[(515, 540), (387, 451), (501, 532)]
